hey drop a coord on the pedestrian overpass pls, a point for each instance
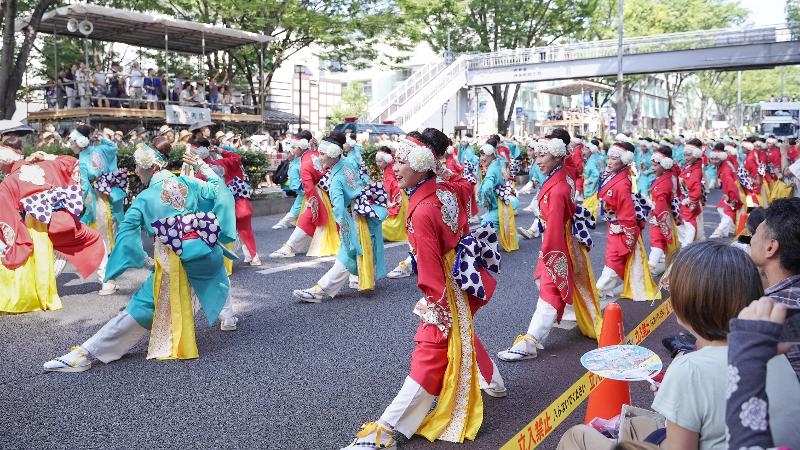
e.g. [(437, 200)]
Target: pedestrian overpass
[(417, 98)]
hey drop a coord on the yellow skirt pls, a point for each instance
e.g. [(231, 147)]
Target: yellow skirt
[(639, 283), (32, 286), (394, 227), (459, 413), (508, 227), (366, 262), (592, 204), (585, 300), (172, 334), (325, 241), (778, 190)]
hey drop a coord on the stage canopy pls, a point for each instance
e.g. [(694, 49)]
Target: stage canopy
[(575, 88), (144, 30)]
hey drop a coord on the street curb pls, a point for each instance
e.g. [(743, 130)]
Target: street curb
[(270, 206)]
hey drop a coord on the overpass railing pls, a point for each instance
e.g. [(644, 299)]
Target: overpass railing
[(638, 45)]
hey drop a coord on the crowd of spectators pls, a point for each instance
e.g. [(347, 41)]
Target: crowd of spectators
[(78, 86)]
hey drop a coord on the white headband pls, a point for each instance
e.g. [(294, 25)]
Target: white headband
[(302, 144), (731, 149), (330, 149), (555, 147), (720, 155), (622, 138), (662, 160), (772, 141), (488, 149), (8, 155), (384, 157), (419, 157), (747, 145), (592, 147), (622, 153), (145, 157), (693, 150), (665, 143), (79, 139)]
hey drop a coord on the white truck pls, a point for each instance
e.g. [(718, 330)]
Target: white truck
[(780, 119)]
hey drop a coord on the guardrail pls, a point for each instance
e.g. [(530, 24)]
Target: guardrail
[(645, 44)]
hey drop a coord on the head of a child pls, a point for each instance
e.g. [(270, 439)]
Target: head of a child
[(710, 283)]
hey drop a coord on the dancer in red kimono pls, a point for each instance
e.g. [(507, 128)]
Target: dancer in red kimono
[(394, 226), (316, 230), (692, 194), (578, 162), (732, 207), (229, 166), (563, 272), (47, 189), (449, 360), (663, 229), (626, 213), (756, 167)]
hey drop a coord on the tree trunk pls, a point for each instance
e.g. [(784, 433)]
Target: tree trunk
[(500, 106), (11, 76)]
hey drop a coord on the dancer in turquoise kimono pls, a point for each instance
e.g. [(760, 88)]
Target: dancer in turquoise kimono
[(644, 165), (177, 212), (296, 148), (103, 189), (710, 170), (497, 197), (359, 213), (677, 150)]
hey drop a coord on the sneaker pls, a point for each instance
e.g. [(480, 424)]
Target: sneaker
[(524, 232), (285, 222), (75, 361), (496, 392), (312, 295), (256, 261), (524, 348), (284, 252), (373, 436), (228, 324), (402, 270), (108, 288), (354, 284)]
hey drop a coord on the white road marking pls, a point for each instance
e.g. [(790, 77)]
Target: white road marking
[(316, 262)]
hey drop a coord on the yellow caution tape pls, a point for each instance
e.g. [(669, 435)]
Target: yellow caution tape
[(548, 420)]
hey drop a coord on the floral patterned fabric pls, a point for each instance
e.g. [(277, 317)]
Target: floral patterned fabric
[(240, 189), (372, 194)]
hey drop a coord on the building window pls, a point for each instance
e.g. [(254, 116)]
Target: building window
[(368, 88)]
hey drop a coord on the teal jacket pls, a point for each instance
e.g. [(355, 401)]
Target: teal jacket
[(169, 195), (644, 165), (295, 184), (486, 196), (592, 169), (95, 161)]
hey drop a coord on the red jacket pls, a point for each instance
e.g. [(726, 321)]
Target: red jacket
[(623, 227), (392, 189), (691, 183), (662, 191), (315, 214), (731, 200), (556, 208), (578, 162), (80, 244)]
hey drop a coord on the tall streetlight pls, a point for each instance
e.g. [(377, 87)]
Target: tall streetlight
[(620, 96), (299, 69)]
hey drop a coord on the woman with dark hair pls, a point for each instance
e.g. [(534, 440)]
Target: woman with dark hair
[(693, 196), (103, 186), (496, 197), (443, 362), (711, 282), (663, 229), (394, 227), (626, 258), (176, 211), (359, 214), (316, 228)]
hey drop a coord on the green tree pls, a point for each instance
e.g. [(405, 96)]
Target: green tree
[(647, 17), (14, 53), (353, 103), (492, 25), (793, 15)]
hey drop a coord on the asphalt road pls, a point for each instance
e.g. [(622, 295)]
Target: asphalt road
[(293, 376)]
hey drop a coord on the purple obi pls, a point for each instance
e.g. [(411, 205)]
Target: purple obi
[(173, 230), (42, 204)]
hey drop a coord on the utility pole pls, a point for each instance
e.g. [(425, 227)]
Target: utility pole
[(620, 96)]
